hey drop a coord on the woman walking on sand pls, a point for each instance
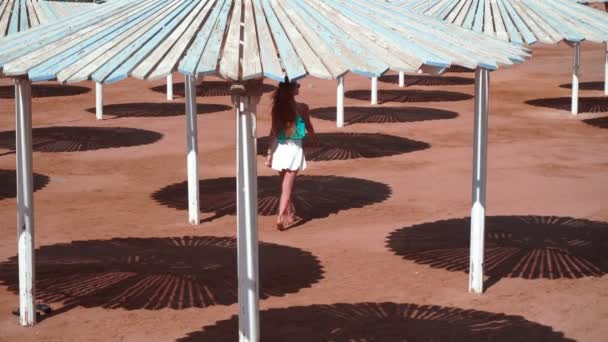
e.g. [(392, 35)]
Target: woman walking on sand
[(290, 124)]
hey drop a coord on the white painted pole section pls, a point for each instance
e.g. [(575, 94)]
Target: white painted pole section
[(575, 72), (170, 87), (606, 67), (99, 101), (25, 202), (340, 103), (247, 233), (374, 90), (192, 144), (480, 153), (401, 79)]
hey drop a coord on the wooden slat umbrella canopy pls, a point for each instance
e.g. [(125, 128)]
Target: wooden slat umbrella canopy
[(20, 15), (524, 22), (242, 41)]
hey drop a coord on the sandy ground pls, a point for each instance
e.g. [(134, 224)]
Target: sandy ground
[(382, 255)]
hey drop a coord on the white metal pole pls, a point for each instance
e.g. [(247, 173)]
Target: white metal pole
[(575, 74), (25, 202), (192, 159), (374, 90), (170, 87), (340, 103), (99, 101), (606, 67), (480, 152), (247, 234), (401, 79)]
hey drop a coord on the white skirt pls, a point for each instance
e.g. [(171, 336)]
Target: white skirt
[(289, 155)]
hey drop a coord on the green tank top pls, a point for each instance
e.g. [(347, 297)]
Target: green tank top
[(298, 133)]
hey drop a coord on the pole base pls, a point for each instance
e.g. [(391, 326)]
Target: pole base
[(40, 308)]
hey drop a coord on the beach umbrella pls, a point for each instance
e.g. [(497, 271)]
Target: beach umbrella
[(243, 41), (20, 15), (525, 22)]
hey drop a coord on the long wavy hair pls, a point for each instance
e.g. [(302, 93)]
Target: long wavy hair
[(284, 108)]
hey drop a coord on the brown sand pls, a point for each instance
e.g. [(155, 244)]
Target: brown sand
[(161, 279)]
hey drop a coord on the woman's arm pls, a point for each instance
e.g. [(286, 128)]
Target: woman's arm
[(272, 145), (310, 129)]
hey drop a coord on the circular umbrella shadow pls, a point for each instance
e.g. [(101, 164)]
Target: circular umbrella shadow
[(45, 90), (597, 122), (207, 88), (353, 115), (428, 80), (585, 104), (77, 139), (459, 69), (8, 183), (313, 196), (410, 95), (529, 247), (585, 85), (159, 273), (382, 322), (344, 146), (154, 110)]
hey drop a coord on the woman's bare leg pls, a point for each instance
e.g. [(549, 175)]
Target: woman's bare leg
[(289, 179)]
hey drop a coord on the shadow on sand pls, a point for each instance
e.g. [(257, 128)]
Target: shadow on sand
[(597, 122), (382, 322), (599, 85), (428, 80), (154, 110), (45, 90), (410, 95), (77, 139), (343, 146), (585, 104), (158, 273), (8, 183), (207, 88), (529, 247), (314, 196), (354, 115)]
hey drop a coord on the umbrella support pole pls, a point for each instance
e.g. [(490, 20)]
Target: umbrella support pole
[(247, 212), (575, 75), (401, 79), (170, 87), (480, 152), (99, 101), (192, 151), (375, 90), (25, 202), (340, 102), (606, 67)]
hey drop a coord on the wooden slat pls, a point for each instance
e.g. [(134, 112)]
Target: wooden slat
[(330, 55), (13, 26), (312, 62), (208, 60), (271, 65), (32, 14), (252, 63), (289, 58), (172, 47), (229, 63), (5, 13)]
